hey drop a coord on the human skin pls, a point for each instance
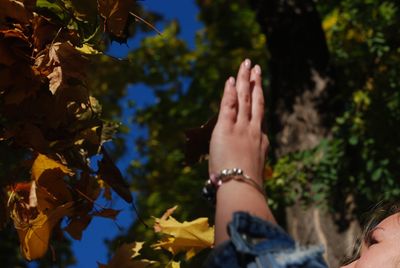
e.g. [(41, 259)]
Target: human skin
[(239, 142), (383, 250)]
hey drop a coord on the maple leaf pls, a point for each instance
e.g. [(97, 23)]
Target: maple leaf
[(65, 67), (27, 135), (109, 173), (15, 61), (16, 10), (190, 237), (115, 14), (198, 141), (107, 213), (43, 163), (45, 32), (157, 227), (76, 226), (49, 177), (34, 233), (14, 47), (124, 255), (173, 264)]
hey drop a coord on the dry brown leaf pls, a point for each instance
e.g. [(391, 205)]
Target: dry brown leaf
[(28, 135), (107, 213), (14, 47), (124, 255), (88, 187), (76, 226), (45, 200), (109, 173), (16, 10), (65, 68), (198, 141), (115, 14), (18, 90), (34, 233), (46, 32), (15, 61)]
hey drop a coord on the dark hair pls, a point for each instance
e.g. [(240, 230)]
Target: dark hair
[(377, 214)]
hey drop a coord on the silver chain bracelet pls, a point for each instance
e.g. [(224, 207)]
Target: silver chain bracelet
[(215, 181)]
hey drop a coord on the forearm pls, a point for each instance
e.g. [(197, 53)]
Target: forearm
[(236, 196)]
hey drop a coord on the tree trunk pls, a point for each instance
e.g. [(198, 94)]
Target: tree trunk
[(300, 83)]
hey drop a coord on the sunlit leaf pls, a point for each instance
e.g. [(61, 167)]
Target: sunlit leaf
[(174, 264), (87, 49), (34, 234), (189, 237)]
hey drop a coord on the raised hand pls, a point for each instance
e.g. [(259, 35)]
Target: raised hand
[(237, 140)]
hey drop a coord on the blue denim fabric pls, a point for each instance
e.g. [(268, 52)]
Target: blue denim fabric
[(257, 243)]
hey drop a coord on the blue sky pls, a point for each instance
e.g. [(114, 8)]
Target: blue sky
[(91, 248)]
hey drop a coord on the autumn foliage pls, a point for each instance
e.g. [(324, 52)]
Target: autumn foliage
[(48, 111)]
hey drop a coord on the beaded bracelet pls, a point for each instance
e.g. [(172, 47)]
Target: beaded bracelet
[(215, 181)]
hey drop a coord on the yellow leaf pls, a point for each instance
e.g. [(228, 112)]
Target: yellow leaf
[(190, 236), (174, 264), (34, 234), (88, 49), (52, 190), (136, 248), (157, 227), (43, 163)]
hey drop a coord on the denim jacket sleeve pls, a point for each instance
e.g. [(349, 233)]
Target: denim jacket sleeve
[(257, 243)]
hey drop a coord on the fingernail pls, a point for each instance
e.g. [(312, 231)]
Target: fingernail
[(231, 81), (247, 64), (257, 69)]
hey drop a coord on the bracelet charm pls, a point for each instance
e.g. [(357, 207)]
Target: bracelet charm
[(215, 181)]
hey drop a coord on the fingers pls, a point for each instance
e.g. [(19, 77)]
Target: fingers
[(257, 103), (228, 108), (243, 92), (243, 102)]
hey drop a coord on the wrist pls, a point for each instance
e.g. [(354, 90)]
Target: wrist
[(237, 175)]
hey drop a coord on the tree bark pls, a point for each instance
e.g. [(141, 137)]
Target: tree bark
[(300, 111)]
